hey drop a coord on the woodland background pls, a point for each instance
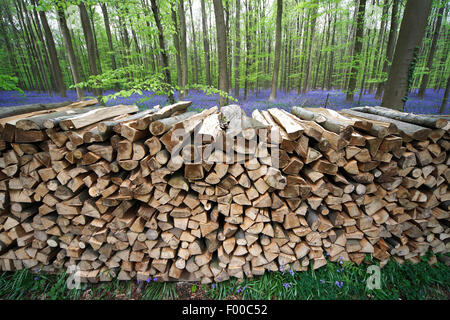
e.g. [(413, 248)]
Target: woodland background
[(259, 53)]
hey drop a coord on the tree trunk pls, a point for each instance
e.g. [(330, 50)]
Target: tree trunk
[(90, 44), (356, 51), (327, 43), (32, 48), (110, 43), (380, 42), (426, 76), (390, 46), (162, 46), (411, 33), (97, 53), (366, 64), (310, 41), (53, 54), (221, 51), (276, 63), (194, 44), (331, 63), (176, 42), (183, 50), (247, 47), (33, 21), (445, 99), (69, 49), (316, 76), (206, 45), (237, 49)]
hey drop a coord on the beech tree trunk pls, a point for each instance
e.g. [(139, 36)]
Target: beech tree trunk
[(206, 45), (356, 51), (70, 52), (311, 38), (411, 33), (221, 50), (276, 64), (89, 37), (162, 46), (176, 42), (445, 99), (426, 76), (237, 50), (390, 47), (195, 44), (110, 43), (53, 54), (183, 50)]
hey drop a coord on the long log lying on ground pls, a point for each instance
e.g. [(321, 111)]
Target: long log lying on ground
[(17, 110), (419, 120)]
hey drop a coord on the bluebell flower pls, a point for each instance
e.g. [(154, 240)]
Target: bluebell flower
[(287, 285), (213, 285), (148, 280)]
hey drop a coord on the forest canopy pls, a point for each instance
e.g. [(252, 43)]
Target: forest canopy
[(226, 47)]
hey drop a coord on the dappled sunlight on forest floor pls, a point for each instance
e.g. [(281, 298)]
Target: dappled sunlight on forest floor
[(255, 100)]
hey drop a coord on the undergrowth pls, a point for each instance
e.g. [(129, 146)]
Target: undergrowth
[(336, 280)]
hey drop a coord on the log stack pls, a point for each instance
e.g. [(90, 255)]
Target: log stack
[(207, 196)]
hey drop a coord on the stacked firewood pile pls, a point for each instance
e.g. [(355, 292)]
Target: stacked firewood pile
[(207, 196)]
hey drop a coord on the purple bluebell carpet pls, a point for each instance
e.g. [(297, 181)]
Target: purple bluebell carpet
[(256, 100)]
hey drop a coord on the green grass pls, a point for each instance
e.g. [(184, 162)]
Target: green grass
[(346, 281), (333, 281)]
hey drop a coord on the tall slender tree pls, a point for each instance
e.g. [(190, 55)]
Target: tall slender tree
[(69, 49), (221, 50), (162, 47), (276, 64), (356, 60), (445, 99), (176, 42), (194, 44), (206, 44), (88, 35), (237, 48), (410, 36), (53, 53), (108, 35), (390, 46), (312, 25), (429, 65), (183, 50)]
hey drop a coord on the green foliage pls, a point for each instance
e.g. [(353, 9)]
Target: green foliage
[(10, 83), (131, 79), (160, 290)]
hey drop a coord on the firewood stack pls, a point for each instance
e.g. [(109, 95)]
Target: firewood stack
[(218, 194)]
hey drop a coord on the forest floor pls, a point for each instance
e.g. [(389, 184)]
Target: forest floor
[(337, 280), (333, 99)]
